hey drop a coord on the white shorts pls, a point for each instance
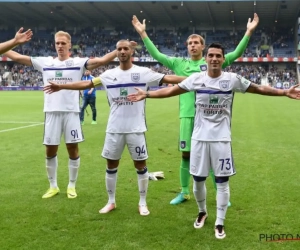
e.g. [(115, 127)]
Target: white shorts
[(115, 143), (59, 123), (215, 155)]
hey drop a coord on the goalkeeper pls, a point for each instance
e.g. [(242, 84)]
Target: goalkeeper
[(186, 67)]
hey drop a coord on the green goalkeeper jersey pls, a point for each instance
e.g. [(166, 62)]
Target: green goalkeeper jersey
[(186, 67)]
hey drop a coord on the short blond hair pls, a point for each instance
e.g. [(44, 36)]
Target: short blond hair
[(202, 41), (63, 33)]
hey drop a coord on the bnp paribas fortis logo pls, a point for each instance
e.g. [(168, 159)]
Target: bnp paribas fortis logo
[(123, 92), (58, 73), (213, 99)]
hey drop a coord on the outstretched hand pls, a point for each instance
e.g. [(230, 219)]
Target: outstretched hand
[(293, 92), (251, 25), (51, 88), (140, 28), (23, 37), (137, 96)]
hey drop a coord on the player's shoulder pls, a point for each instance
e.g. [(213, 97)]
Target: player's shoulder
[(110, 72), (142, 71), (229, 75), (77, 60), (201, 74), (139, 68), (181, 60), (43, 58), (196, 77)]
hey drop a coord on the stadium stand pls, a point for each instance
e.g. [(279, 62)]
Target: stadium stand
[(95, 35)]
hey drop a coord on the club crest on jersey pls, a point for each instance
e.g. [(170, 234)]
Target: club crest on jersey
[(123, 92), (69, 63), (213, 99), (58, 73), (245, 81), (182, 144), (135, 77), (224, 85), (203, 67)]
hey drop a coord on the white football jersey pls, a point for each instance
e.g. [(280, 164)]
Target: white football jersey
[(126, 116), (214, 99), (61, 72)]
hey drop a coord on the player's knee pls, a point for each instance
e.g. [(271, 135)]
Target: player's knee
[(72, 147), (199, 178), (221, 179), (112, 164), (139, 165), (51, 150)]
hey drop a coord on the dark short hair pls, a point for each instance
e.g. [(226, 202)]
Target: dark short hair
[(217, 46), (122, 41)]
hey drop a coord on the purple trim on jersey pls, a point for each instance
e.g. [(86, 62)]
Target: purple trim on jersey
[(125, 85), (72, 68), (213, 92)]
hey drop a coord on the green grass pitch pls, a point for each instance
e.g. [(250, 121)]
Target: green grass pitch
[(264, 193)]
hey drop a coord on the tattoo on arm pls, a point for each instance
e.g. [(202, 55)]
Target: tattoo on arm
[(265, 90)]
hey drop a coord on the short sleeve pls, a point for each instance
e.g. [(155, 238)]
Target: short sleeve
[(188, 83), (240, 84)]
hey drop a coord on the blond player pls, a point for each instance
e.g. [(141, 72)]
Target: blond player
[(62, 109)]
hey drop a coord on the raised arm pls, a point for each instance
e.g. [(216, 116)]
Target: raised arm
[(154, 52), (161, 93), (239, 50), (251, 25), (100, 61), (17, 40), (292, 92)]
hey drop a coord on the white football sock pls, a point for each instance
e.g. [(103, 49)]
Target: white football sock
[(111, 182), (222, 201), (143, 180), (73, 171), (199, 189), (51, 167)]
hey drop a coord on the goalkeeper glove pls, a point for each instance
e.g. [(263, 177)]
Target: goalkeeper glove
[(154, 176)]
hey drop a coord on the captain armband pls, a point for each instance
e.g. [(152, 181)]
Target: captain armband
[(96, 81)]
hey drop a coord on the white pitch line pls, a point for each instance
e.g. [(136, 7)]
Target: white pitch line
[(11, 129), (16, 122)]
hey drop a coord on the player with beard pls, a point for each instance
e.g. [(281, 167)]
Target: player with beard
[(126, 123)]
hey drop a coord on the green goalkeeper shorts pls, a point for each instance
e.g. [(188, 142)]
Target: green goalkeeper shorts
[(186, 130)]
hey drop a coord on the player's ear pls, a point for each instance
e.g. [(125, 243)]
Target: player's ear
[(205, 57)]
